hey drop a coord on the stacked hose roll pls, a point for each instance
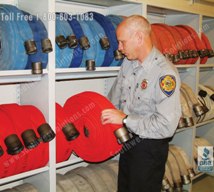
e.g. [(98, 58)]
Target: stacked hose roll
[(64, 54), (24, 41), (167, 182), (42, 42), (11, 145), (206, 98), (167, 42), (186, 119), (14, 33), (23, 126), (174, 170), (178, 170), (81, 182), (186, 160), (99, 39), (96, 42), (181, 43), (192, 100), (108, 176), (89, 55), (84, 111), (65, 133), (116, 20), (97, 177), (112, 52), (210, 51), (181, 164), (26, 187)]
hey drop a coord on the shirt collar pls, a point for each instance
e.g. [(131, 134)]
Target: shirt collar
[(147, 64)]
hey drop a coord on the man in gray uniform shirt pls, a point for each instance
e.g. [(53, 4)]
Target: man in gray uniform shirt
[(146, 93)]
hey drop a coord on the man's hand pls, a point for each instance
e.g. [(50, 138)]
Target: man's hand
[(112, 116)]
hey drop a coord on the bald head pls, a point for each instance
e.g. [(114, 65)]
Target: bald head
[(136, 23), (134, 39)]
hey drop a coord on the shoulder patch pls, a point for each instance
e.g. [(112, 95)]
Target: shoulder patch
[(167, 84)]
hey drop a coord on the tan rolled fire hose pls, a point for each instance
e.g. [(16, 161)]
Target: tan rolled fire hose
[(186, 160), (192, 98), (174, 170), (181, 164), (186, 111)]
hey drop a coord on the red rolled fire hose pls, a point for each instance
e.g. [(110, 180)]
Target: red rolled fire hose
[(96, 141)]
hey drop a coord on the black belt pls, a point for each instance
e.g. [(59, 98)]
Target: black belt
[(163, 140)]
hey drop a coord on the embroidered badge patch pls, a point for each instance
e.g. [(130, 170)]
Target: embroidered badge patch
[(167, 84), (144, 84)]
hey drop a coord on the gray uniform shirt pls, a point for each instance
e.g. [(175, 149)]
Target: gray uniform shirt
[(149, 93)]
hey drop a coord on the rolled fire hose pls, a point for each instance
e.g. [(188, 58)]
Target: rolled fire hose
[(180, 46), (7, 160), (186, 119), (158, 33), (81, 183), (93, 179), (14, 33), (190, 45), (116, 20), (110, 170), (207, 102), (65, 183), (43, 44), (89, 55), (181, 164), (83, 42), (64, 135), (112, 52), (200, 141), (44, 130), (196, 106), (207, 44), (169, 46), (99, 38), (113, 165), (186, 160), (120, 133), (174, 169), (169, 180), (106, 175), (20, 124), (200, 46), (209, 48), (26, 187), (64, 54), (155, 40), (94, 138)]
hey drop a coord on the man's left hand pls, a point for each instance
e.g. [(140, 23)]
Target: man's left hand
[(112, 116)]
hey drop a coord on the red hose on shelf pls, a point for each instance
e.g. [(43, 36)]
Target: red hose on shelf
[(96, 142)]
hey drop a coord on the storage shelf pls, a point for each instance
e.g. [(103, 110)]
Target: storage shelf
[(205, 123), (22, 175), (198, 175), (18, 76), (184, 129), (206, 65), (76, 73)]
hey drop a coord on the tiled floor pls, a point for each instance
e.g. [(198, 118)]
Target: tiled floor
[(203, 184)]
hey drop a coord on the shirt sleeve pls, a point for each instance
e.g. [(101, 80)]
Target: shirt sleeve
[(163, 121), (115, 91)]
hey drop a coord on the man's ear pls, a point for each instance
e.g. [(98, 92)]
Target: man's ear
[(140, 37)]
